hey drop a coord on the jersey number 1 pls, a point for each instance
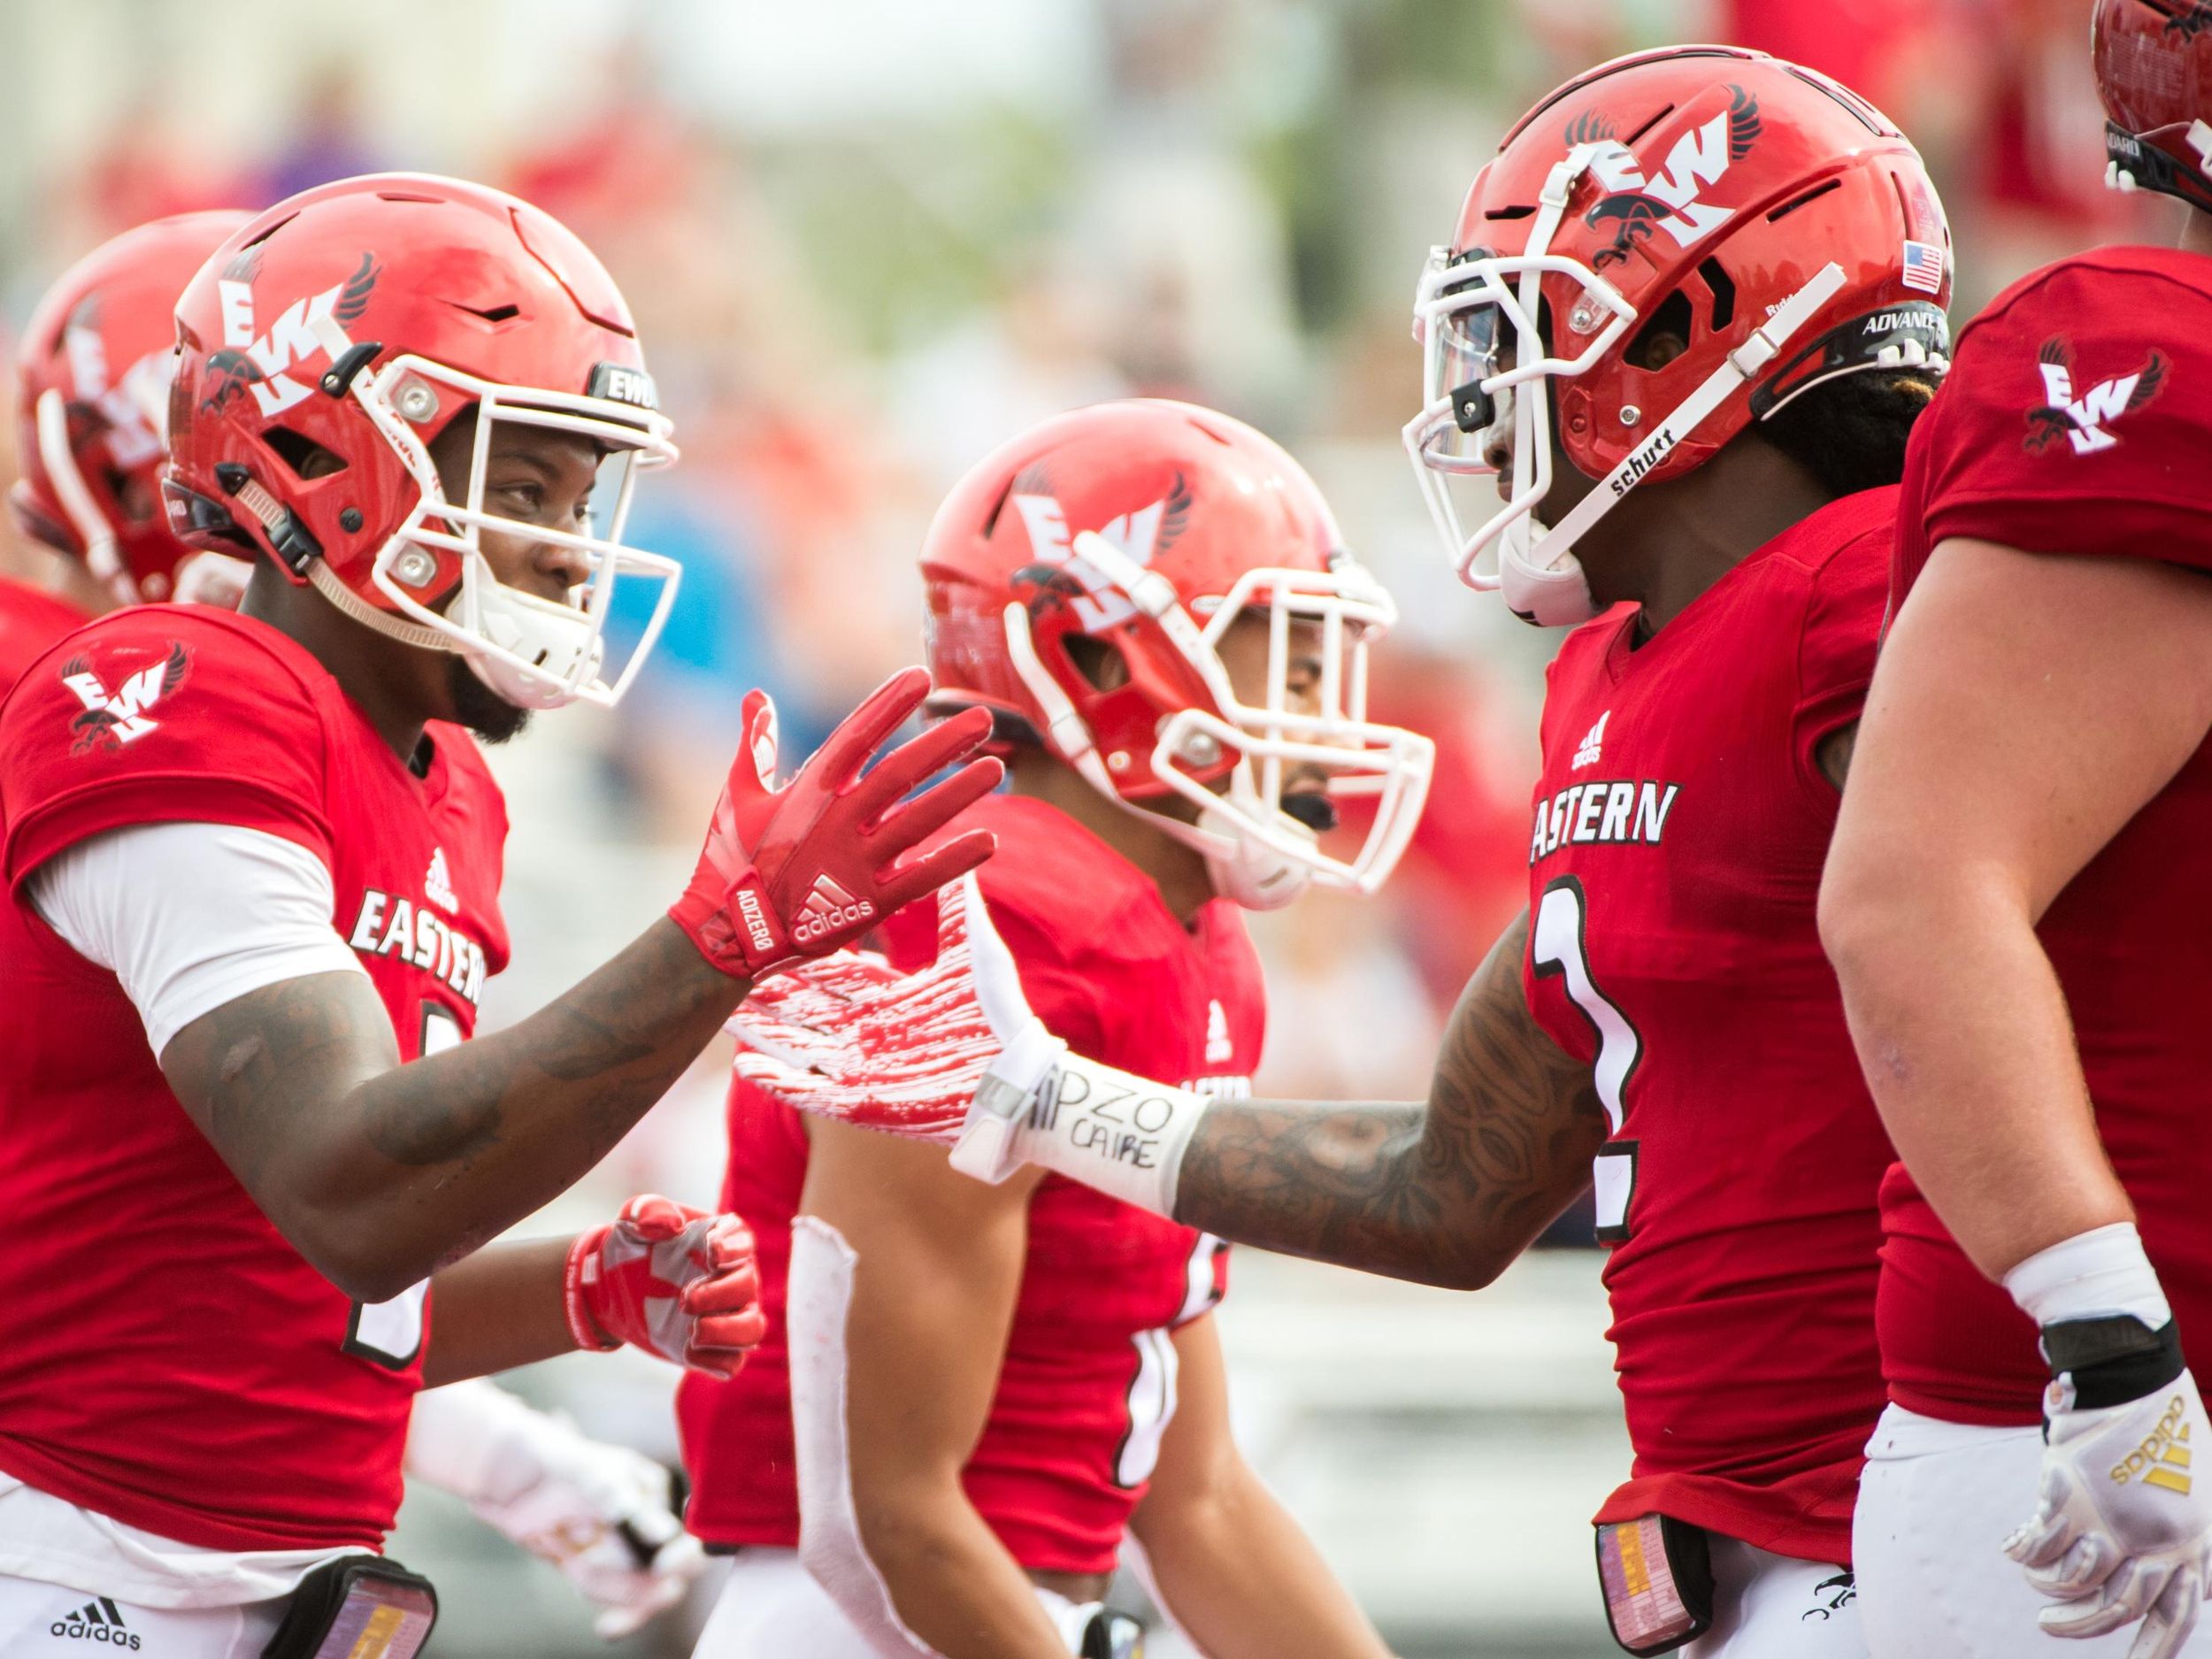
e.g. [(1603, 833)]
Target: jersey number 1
[(1559, 946)]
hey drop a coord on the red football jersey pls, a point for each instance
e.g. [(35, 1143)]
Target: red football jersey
[(165, 1358), (1681, 823), (1087, 1382), (30, 621), (2075, 421)]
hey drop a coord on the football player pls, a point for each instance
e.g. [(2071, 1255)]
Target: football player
[(2017, 905), (90, 495), (92, 400), (989, 1384), (1688, 317), (252, 903)]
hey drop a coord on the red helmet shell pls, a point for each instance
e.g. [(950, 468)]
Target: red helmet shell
[(2154, 63), (1731, 180), (103, 339), (402, 264), (1194, 496)]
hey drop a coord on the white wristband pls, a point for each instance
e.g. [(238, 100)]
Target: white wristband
[(1121, 1134), (2098, 1273)]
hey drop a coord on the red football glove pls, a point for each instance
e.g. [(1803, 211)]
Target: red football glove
[(799, 870), (671, 1280)]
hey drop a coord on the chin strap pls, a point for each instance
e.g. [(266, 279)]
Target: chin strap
[(324, 581)]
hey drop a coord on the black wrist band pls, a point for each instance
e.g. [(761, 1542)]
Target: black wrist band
[(2114, 1359)]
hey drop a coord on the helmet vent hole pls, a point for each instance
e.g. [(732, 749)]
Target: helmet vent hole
[(1633, 138), (990, 519), (1806, 200), (1724, 288), (307, 458), (1665, 337), (1103, 666), (1523, 211)]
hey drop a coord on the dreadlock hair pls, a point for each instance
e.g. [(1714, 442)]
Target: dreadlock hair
[(1850, 433)]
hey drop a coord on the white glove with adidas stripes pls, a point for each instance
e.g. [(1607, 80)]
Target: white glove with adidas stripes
[(2123, 1526), (952, 1053)]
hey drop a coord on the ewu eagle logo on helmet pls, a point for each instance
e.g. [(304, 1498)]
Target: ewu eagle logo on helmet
[(2189, 21), (116, 406), (259, 363), (1634, 208), (2084, 418), (1063, 577)]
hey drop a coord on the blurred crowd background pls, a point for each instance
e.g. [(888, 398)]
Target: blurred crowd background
[(867, 240)]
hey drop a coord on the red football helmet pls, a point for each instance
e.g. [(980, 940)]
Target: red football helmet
[(92, 399), (1775, 221), (2154, 61), (362, 316), (1150, 527)]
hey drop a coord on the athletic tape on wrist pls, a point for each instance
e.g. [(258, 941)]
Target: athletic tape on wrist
[(1122, 1134)]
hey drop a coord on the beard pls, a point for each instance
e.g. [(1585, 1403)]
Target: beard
[(480, 709)]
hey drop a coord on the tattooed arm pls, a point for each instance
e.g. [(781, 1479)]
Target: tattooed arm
[(1444, 1192), (378, 1173)]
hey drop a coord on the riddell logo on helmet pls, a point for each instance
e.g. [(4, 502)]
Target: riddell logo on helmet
[(259, 363), (1634, 207), (829, 906)]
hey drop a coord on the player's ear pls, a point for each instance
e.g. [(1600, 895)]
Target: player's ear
[(1665, 337), (1100, 662)]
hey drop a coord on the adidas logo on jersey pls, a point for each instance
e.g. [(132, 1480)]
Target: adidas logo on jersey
[(98, 1620), (1218, 1048), (437, 884), (827, 907), (1593, 741)]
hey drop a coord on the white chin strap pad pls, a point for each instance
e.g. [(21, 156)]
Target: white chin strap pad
[(1556, 598), (1247, 871)]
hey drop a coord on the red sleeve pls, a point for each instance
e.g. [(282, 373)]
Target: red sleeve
[(1836, 645), (30, 621), (161, 714), (2074, 417)]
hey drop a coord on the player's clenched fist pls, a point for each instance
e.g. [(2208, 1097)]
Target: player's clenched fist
[(671, 1280), (799, 870)]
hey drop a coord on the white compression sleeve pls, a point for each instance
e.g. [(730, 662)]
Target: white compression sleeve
[(188, 917)]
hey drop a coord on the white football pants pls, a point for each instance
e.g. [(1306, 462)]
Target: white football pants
[(1767, 1605), (771, 1608), (49, 1620), (1936, 1504)]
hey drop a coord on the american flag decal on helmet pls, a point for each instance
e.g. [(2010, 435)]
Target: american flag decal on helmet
[(1924, 267)]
